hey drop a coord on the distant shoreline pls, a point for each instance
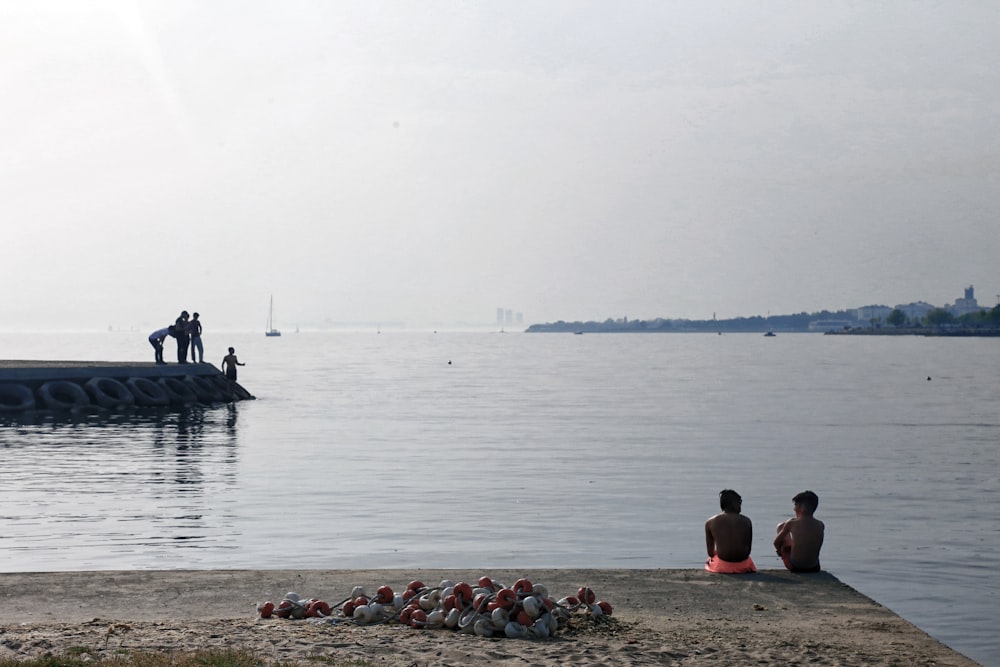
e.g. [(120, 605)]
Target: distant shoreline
[(602, 328), (957, 333)]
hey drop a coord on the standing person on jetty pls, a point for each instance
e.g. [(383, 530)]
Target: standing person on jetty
[(194, 328), (229, 364), (799, 539), (156, 340), (728, 537), (181, 332)]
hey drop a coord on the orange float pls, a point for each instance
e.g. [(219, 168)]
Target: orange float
[(463, 593), (317, 608), (384, 595), (284, 609), (506, 598)]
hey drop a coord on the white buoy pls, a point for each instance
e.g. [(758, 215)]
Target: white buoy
[(540, 628), (500, 618), (483, 628), (531, 606), (552, 621), (514, 630)]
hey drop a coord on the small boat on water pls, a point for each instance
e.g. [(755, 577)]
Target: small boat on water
[(769, 333), (271, 331)]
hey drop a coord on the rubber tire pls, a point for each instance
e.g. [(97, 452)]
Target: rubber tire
[(222, 384), (63, 395), (109, 393), (178, 391), (147, 393), (16, 398), (207, 391)]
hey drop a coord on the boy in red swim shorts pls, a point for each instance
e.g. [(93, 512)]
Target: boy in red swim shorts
[(728, 537)]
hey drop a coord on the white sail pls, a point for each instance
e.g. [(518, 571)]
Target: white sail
[(271, 331)]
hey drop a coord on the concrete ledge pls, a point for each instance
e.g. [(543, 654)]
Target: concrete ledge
[(43, 371), (666, 617)]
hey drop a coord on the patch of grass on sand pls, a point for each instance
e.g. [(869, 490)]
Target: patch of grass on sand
[(81, 657)]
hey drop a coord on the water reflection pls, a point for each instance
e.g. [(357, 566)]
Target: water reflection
[(121, 489)]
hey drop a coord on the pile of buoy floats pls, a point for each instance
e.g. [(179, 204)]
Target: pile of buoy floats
[(489, 609)]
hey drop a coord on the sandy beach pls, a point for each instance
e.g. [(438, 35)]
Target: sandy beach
[(661, 617)]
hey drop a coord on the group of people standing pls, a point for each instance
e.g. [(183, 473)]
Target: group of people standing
[(729, 534), (187, 330)]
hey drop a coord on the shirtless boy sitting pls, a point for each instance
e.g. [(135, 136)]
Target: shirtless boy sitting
[(799, 540), (728, 536)]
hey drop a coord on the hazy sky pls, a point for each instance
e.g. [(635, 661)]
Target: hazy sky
[(428, 162)]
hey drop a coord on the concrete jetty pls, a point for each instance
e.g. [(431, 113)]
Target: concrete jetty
[(661, 617), (60, 386)]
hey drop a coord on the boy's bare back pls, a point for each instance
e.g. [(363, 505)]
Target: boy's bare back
[(729, 536)]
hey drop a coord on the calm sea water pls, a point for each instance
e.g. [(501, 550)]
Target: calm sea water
[(480, 450)]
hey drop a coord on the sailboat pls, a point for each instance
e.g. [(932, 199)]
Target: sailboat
[(271, 331)]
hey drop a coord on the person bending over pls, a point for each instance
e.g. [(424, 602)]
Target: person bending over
[(799, 539), (156, 340), (728, 537)]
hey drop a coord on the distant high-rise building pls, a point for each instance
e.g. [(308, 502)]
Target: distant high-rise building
[(508, 316), (966, 305)]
